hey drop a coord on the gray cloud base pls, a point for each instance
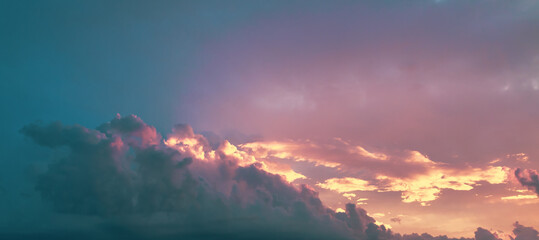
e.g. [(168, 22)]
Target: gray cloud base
[(528, 178)]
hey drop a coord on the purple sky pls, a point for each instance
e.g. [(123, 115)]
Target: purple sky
[(455, 81)]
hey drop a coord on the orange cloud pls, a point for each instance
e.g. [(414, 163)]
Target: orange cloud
[(427, 187), (286, 150), (349, 195), (421, 188), (344, 185), (415, 175), (520, 157), (195, 146), (519, 197), (362, 152)]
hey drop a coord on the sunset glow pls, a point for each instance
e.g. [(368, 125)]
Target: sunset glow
[(297, 119)]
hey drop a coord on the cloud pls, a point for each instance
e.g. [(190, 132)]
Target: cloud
[(349, 195), (520, 232), (379, 156), (483, 234), (520, 157), (517, 197), (133, 129), (287, 150), (427, 187), (342, 155), (528, 178), (77, 184), (415, 175), (344, 185), (422, 188), (142, 187), (123, 173), (524, 233), (197, 146)]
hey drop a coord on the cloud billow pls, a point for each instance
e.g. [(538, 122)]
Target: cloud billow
[(123, 172), (140, 186), (528, 178)]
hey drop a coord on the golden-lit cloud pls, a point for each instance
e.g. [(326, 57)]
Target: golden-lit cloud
[(349, 195), (338, 153), (191, 146), (361, 151), (286, 150), (243, 158), (520, 157), (427, 187), (362, 199), (281, 169), (381, 223), (377, 216), (519, 197), (415, 175), (344, 185), (422, 188), (417, 157), (194, 146)]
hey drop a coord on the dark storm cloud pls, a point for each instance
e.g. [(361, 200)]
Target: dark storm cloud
[(528, 178)]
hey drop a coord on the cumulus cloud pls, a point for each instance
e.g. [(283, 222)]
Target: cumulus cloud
[(197, 146), (528, 178), (124, 171), (483, 234), (524, 233), (141, 186)]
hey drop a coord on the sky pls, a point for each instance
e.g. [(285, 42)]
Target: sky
[(241, 119)]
